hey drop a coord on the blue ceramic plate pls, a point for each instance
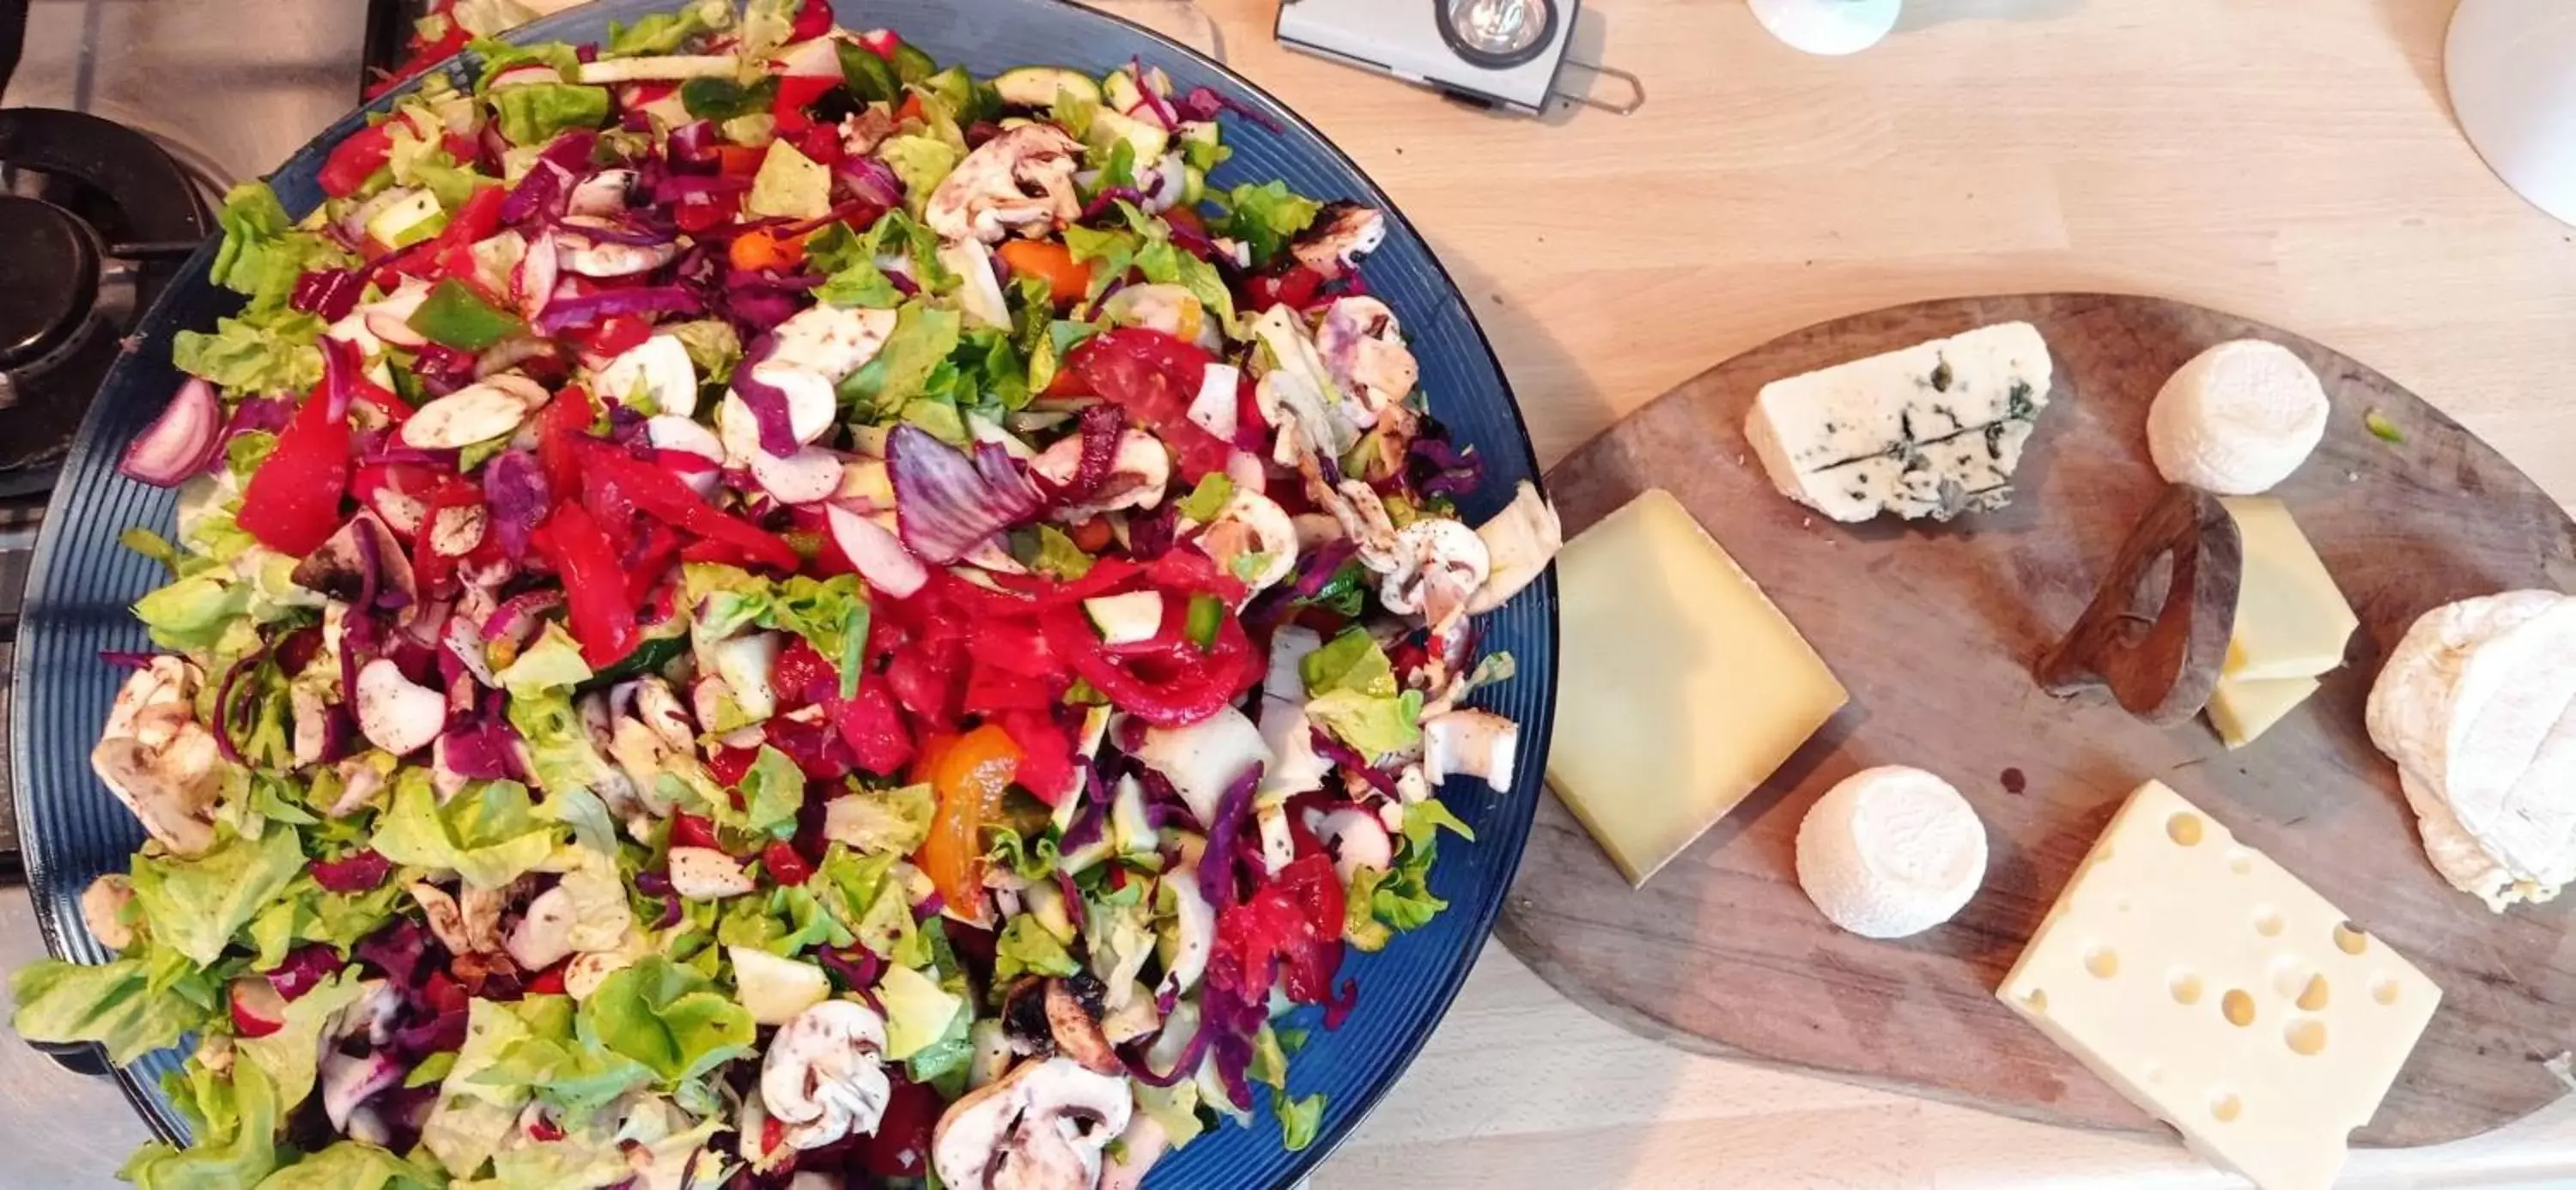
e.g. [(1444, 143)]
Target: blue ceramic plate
[(83, 581)]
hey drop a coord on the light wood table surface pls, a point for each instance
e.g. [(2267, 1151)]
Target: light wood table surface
[(2289, 160)]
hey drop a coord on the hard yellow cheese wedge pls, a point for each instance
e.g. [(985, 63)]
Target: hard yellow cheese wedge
[(2242, 711), (2291, 622), (2220, 993), (1680, 687)]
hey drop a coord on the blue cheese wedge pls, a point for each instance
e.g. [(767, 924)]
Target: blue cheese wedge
[(1934, 430)]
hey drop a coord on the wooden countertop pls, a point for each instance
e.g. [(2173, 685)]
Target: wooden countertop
[(2290, 160)]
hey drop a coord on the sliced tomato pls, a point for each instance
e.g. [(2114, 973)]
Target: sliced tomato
[(1154, 376)]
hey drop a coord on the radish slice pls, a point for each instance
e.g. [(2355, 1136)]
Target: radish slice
[(679, 435), (810, 474), (537, 274), (816, 59), (878, 554), (179, 442), (257, 1008), (393, 713), (1354, 838), (520, 76)]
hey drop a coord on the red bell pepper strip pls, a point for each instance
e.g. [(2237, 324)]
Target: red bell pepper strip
[(784, 865), (355, 159), (813, 19), (1168, 681), (560, 430), (293, 502), (991, 689), (663, 495), (1296, 919), (594, 583), (1046, 752)]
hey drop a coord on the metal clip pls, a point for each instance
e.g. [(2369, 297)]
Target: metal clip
[(1636, 89)]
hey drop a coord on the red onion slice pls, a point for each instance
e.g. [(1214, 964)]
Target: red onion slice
[(179, 442)]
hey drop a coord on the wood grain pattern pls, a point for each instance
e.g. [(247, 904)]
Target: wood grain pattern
[(1934, 629)]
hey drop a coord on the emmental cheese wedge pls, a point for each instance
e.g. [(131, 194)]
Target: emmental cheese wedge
[(2220, 993), (1934, 430), (1680, 687)]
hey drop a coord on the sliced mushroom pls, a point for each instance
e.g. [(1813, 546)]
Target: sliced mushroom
[(1470, 743), (1522, 539), (579, 253), (1363, 347), (1143, 1144), (811, 407), (586, 972), (830, 341), (661, 713), (1138, 476), (1042, 1125), (481, 909), (1073, 1011), (543, 936), (1439, 565), (364, 550), (1020, 181), (824, 1074), (705, 874), (446, 922), (360, 782), (158, 760), (604, 193), (1254, 540), (102, 906), (474, 413), (1342, 235)]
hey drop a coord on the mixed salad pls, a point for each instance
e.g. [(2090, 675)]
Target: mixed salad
[(749, 610)]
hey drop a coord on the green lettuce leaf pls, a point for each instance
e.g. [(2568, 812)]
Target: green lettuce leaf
[(575, 1075), (263, 254), (195, 904), (270, 352), (1207, 501), (831, 614), (1360, 925), (290, 1056), (1025, 945), (787, 922), (919, 1012), (472, 1118), (353, 1165), (923, 338), (923, 162), (553, 663), (667, 32), (531, 114), (790, 185), (1373, 725), (668, 1017), (112, 1004), (236, 1147), (882, 821), (561, 757), (1265, 217), (1351, 661), (1109, 252), (1299, 1119), (308, 912), (490, 833), (1402, 899), (192, 613), (865, 896)]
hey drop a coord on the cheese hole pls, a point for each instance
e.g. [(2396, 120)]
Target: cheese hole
[(2384, 991), (2226, 1107), (2037, 1000), (2306, 1036), (2290, 975), (2349, 939), (2186, 988), (2102, 961), (2267, 922), (2313, 997), (2241, 862), (2238, 1007), (2185, 828)]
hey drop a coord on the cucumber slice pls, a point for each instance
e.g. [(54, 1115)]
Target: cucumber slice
[(1109, 127), (663, 644), (867, 75), (1040, 86), (911, 65), (1122, 93), (1126, 619), (407, 220)]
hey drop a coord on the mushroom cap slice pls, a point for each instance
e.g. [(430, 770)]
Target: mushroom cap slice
[(1044, 1124)]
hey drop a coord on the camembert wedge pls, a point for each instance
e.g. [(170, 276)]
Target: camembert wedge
[(1680, 687), (2220, 993)]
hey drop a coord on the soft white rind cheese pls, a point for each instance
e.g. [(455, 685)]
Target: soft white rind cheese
[(2477, 705), (1930, 431), (1891, 851), (2237, 419), (2222, 994)]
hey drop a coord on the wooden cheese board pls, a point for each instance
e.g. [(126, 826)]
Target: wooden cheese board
[(1935, 630)]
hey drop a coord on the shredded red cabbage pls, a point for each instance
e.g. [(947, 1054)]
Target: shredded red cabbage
[(1437, 467), (1108, 200), (1102, 425), (359, 871), (693, 147), (328, 293), (585, 309), (514, 489), (1316, 569), (305, 967), (1217, 865), (540, 197), (1151, 535), (870, 180), (485, 751), (1206, 103), (399, 952), (857, 966), (1349, 760), (946, 503)]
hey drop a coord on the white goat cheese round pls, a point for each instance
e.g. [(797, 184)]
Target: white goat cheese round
[(1891, 851), (2237, 419)]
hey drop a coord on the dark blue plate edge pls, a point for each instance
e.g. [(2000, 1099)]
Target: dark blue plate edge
[(159, 324)]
